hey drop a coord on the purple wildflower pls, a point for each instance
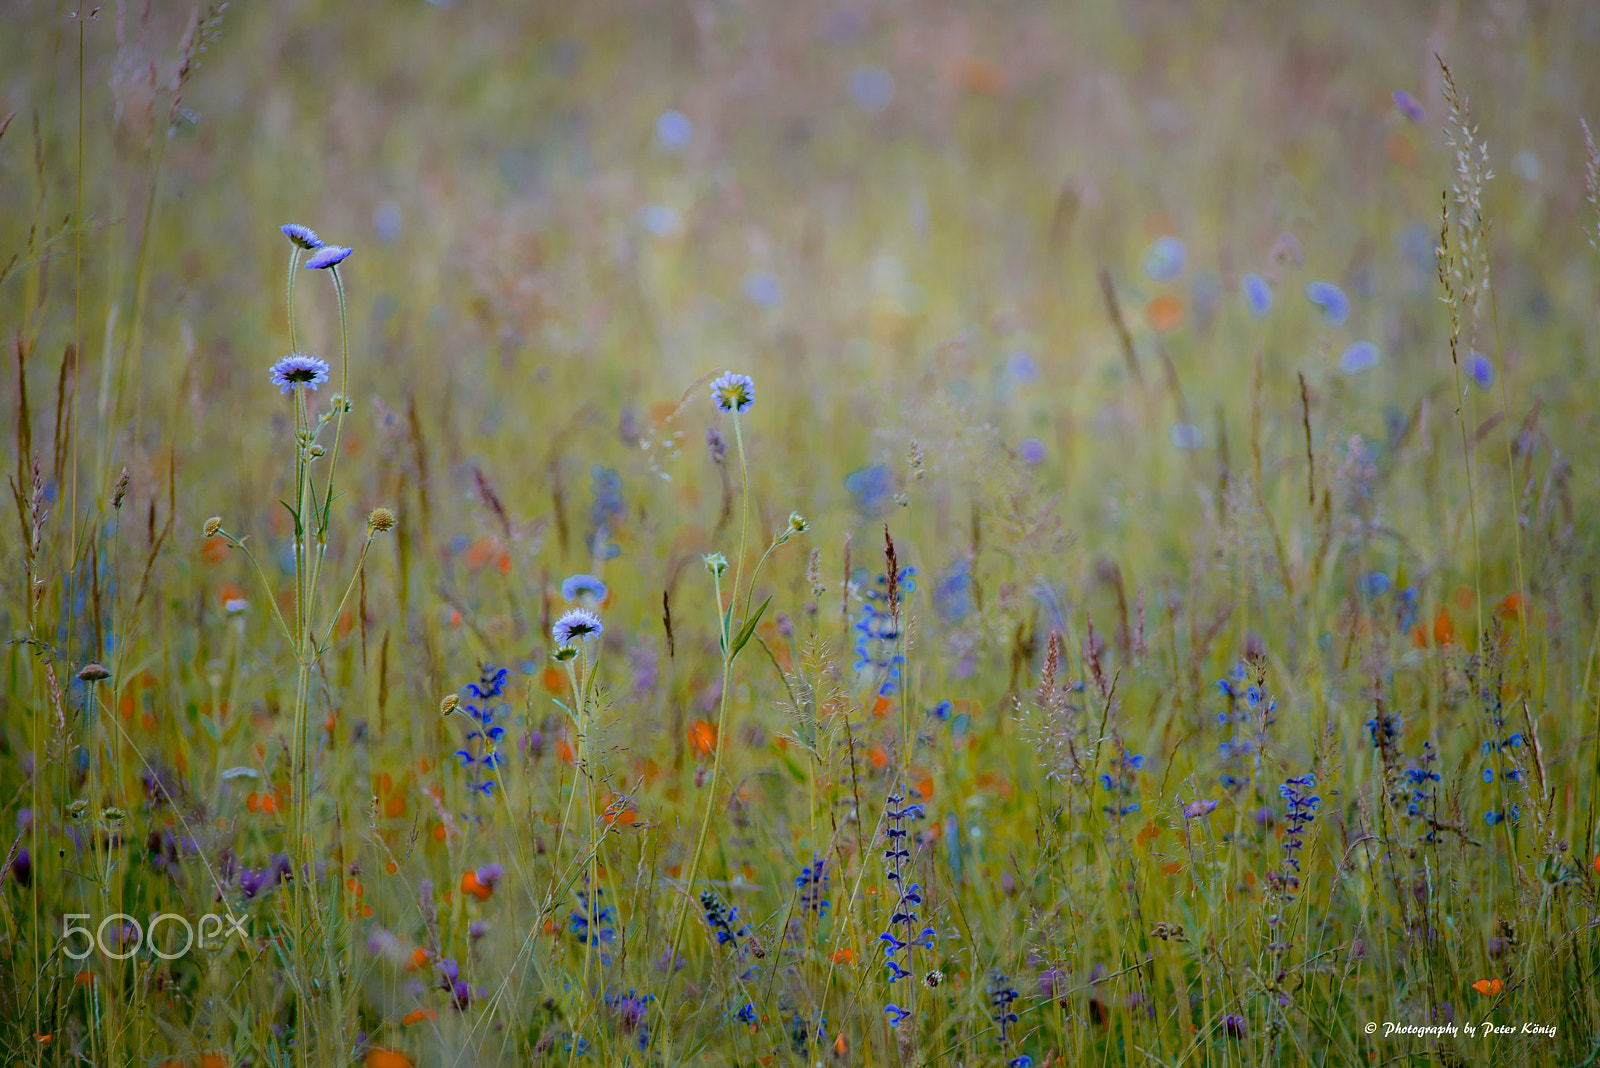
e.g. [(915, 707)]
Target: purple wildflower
[(1408, 106), (576, 624), (303, 236), (328, 256), (1195, 810), (298, 369), (733, 392)]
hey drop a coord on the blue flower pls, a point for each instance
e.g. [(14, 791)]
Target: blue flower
[(328, 256), (1331, 299), (1164, 260), (1481, 370), (298, 369), (746, 1014), (674, 130), (1361, 356), (870, 488), (1257, 295), (734, 392), (1408, 106), (895, 1014), (583, 587), (576, 624), (303, 236), (871, 88), (764, 288)]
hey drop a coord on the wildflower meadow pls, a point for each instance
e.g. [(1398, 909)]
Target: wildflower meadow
[(893, 533)]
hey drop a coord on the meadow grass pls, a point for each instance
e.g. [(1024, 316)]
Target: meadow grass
[(1139, 608)]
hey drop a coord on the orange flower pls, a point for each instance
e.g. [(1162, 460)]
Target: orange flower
[(212, 1060), (704, 737), (1512, 605), (214, 550), (1164, 313), (471, 885), (1444, 631), (843, 956), (378, 1057), (419, 959), (417, 1016), (881, 706), (1490, 987)]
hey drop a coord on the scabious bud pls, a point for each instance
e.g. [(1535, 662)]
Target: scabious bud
[(798, 523), (449, 704), (716, 563), (379, 520), (213, 525), (93, 673)]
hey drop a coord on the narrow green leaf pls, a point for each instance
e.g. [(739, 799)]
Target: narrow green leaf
[(749, 628)]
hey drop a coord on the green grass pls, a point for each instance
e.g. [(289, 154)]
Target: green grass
[(961, 368)]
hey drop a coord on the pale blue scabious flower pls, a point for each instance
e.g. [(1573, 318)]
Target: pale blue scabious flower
[(576, 624), (582, 587), (1481, 370), (1186, 436), (1257, 295), (764, 288), (1032, 451), (298, 369), (871, 88), (674, 130), (1198, 809), (328, 256), (303, 236), (733, 392), (1331, 299), (1164, 259), (1020, 364), (1361, 356)]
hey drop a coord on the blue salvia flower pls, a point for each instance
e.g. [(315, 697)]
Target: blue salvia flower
[(903, 918), (723, 921), (1001, 997), (895, 1014), (1301, 810), (813, 883), (1121, 784), (482, 707), (593, 923), (746, 1014), (877, 634)]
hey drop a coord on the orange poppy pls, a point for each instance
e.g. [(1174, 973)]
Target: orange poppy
[(1490, 987), (704, 737), (843, 956), (378, 1057), (417, 1016)]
